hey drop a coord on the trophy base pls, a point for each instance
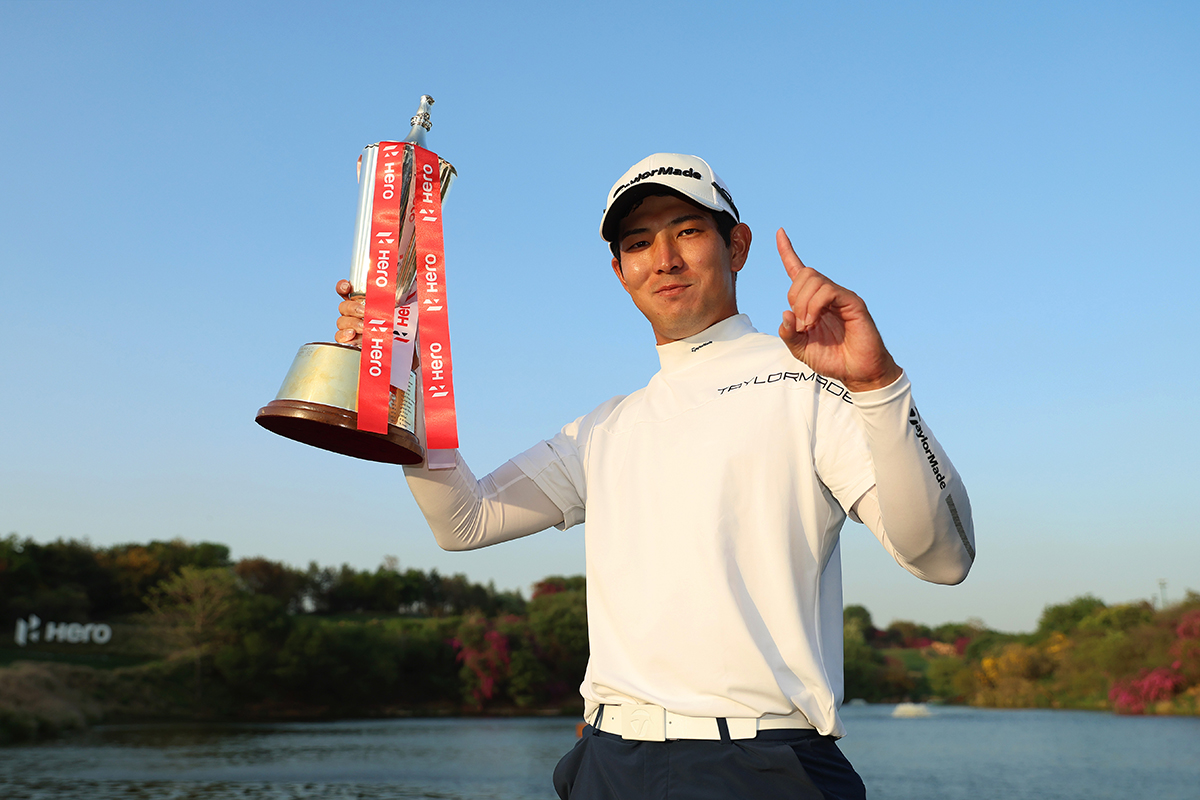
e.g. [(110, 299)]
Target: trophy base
[(335, 429), (318, 405)]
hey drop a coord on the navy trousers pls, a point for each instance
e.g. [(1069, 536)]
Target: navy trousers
[(793, 764)]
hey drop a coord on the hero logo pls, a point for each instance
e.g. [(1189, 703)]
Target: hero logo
[(69, 632), (914, 419), (436, 364)]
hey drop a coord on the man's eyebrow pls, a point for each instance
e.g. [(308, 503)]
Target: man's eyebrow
[(671, 224)]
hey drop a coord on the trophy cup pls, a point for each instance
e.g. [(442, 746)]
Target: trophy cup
[(319, 402)]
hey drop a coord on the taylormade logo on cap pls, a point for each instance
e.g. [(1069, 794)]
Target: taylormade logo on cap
[(690, 177), (687, 173)]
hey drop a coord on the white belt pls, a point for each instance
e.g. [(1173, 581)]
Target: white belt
[(656, 724)]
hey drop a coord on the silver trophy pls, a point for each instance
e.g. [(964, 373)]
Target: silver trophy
[(318, 402)]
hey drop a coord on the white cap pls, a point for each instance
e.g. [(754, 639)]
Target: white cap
[(690, 177)]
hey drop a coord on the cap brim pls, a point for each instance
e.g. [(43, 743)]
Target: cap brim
[(630, 198)]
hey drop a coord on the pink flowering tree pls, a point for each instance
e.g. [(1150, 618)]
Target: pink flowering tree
[(1133, 695), (484, 653)]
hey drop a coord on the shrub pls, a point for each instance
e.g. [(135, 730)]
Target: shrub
[(1132, 695)]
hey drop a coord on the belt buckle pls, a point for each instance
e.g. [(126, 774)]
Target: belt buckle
[(742, 727), (643, 723)]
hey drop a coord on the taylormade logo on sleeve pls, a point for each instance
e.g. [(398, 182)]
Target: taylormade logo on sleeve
[(914, 419)]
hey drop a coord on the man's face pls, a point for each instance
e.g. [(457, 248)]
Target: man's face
[(676, 266)]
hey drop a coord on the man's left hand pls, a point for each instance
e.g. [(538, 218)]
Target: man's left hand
[(829, 328)]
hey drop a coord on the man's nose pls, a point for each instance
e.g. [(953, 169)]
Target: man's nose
[(667, 257)]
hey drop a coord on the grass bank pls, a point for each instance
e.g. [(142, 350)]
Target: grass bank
[(40, 699)]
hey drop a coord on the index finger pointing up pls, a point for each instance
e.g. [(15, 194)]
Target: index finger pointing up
[(791, 261)]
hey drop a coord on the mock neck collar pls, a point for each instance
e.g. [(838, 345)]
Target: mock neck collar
[(704, 345)]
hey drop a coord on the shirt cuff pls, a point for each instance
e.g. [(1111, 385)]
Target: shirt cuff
[(881, 397)]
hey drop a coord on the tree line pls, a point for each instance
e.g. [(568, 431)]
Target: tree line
[(1129, 657), (74, 581), (260, 636)]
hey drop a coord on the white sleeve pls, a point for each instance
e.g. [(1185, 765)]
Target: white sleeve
[(546, 486), (918, 508), (559, 465), (466, 514)]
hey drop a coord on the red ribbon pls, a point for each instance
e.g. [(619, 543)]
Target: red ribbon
[(437, 372), (375, 366)]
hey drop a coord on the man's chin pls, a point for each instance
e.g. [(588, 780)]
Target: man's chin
[(681, 328)]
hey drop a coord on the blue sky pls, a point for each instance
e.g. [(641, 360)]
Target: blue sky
[(1012, 187)]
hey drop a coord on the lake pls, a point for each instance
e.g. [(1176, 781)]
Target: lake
[(954, 753)]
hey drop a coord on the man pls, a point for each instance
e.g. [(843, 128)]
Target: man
[(714, 499)]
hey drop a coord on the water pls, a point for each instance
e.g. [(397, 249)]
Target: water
[(956, 754)]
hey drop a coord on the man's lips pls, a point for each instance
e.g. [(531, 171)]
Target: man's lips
[(671, 289)]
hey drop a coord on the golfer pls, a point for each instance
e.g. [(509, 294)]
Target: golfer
[(714, 499)]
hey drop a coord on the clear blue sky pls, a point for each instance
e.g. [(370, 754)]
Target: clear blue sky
[(1013, 187)]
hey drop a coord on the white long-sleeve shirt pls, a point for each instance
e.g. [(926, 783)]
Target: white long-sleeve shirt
[(714, 500)]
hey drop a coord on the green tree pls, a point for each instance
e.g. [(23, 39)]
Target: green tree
[(136, 568), (347, 665), (192, 607), (272, 579), (862, 664), (426, 668), (529, 677), (1117, 618), (259, 626), (949, 678), (1063, 618), (863, 618), (411, 587), (60, 580), (902, 633), (955, 632), (559, 624), (558, 583), (501, 603)]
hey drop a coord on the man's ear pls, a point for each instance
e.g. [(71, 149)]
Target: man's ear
[(616, 267), (739, 245)]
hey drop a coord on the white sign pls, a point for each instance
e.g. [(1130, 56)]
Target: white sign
[(31, 630)]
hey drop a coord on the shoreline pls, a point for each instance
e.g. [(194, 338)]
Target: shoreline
[(43, 700)]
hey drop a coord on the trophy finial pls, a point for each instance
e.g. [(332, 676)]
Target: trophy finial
[(420, 122), (422, 116)]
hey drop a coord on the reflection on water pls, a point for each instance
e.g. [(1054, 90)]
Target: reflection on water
[(450, 758), (954, 753)]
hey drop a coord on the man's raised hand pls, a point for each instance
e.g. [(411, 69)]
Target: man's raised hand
[(829, 328)]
